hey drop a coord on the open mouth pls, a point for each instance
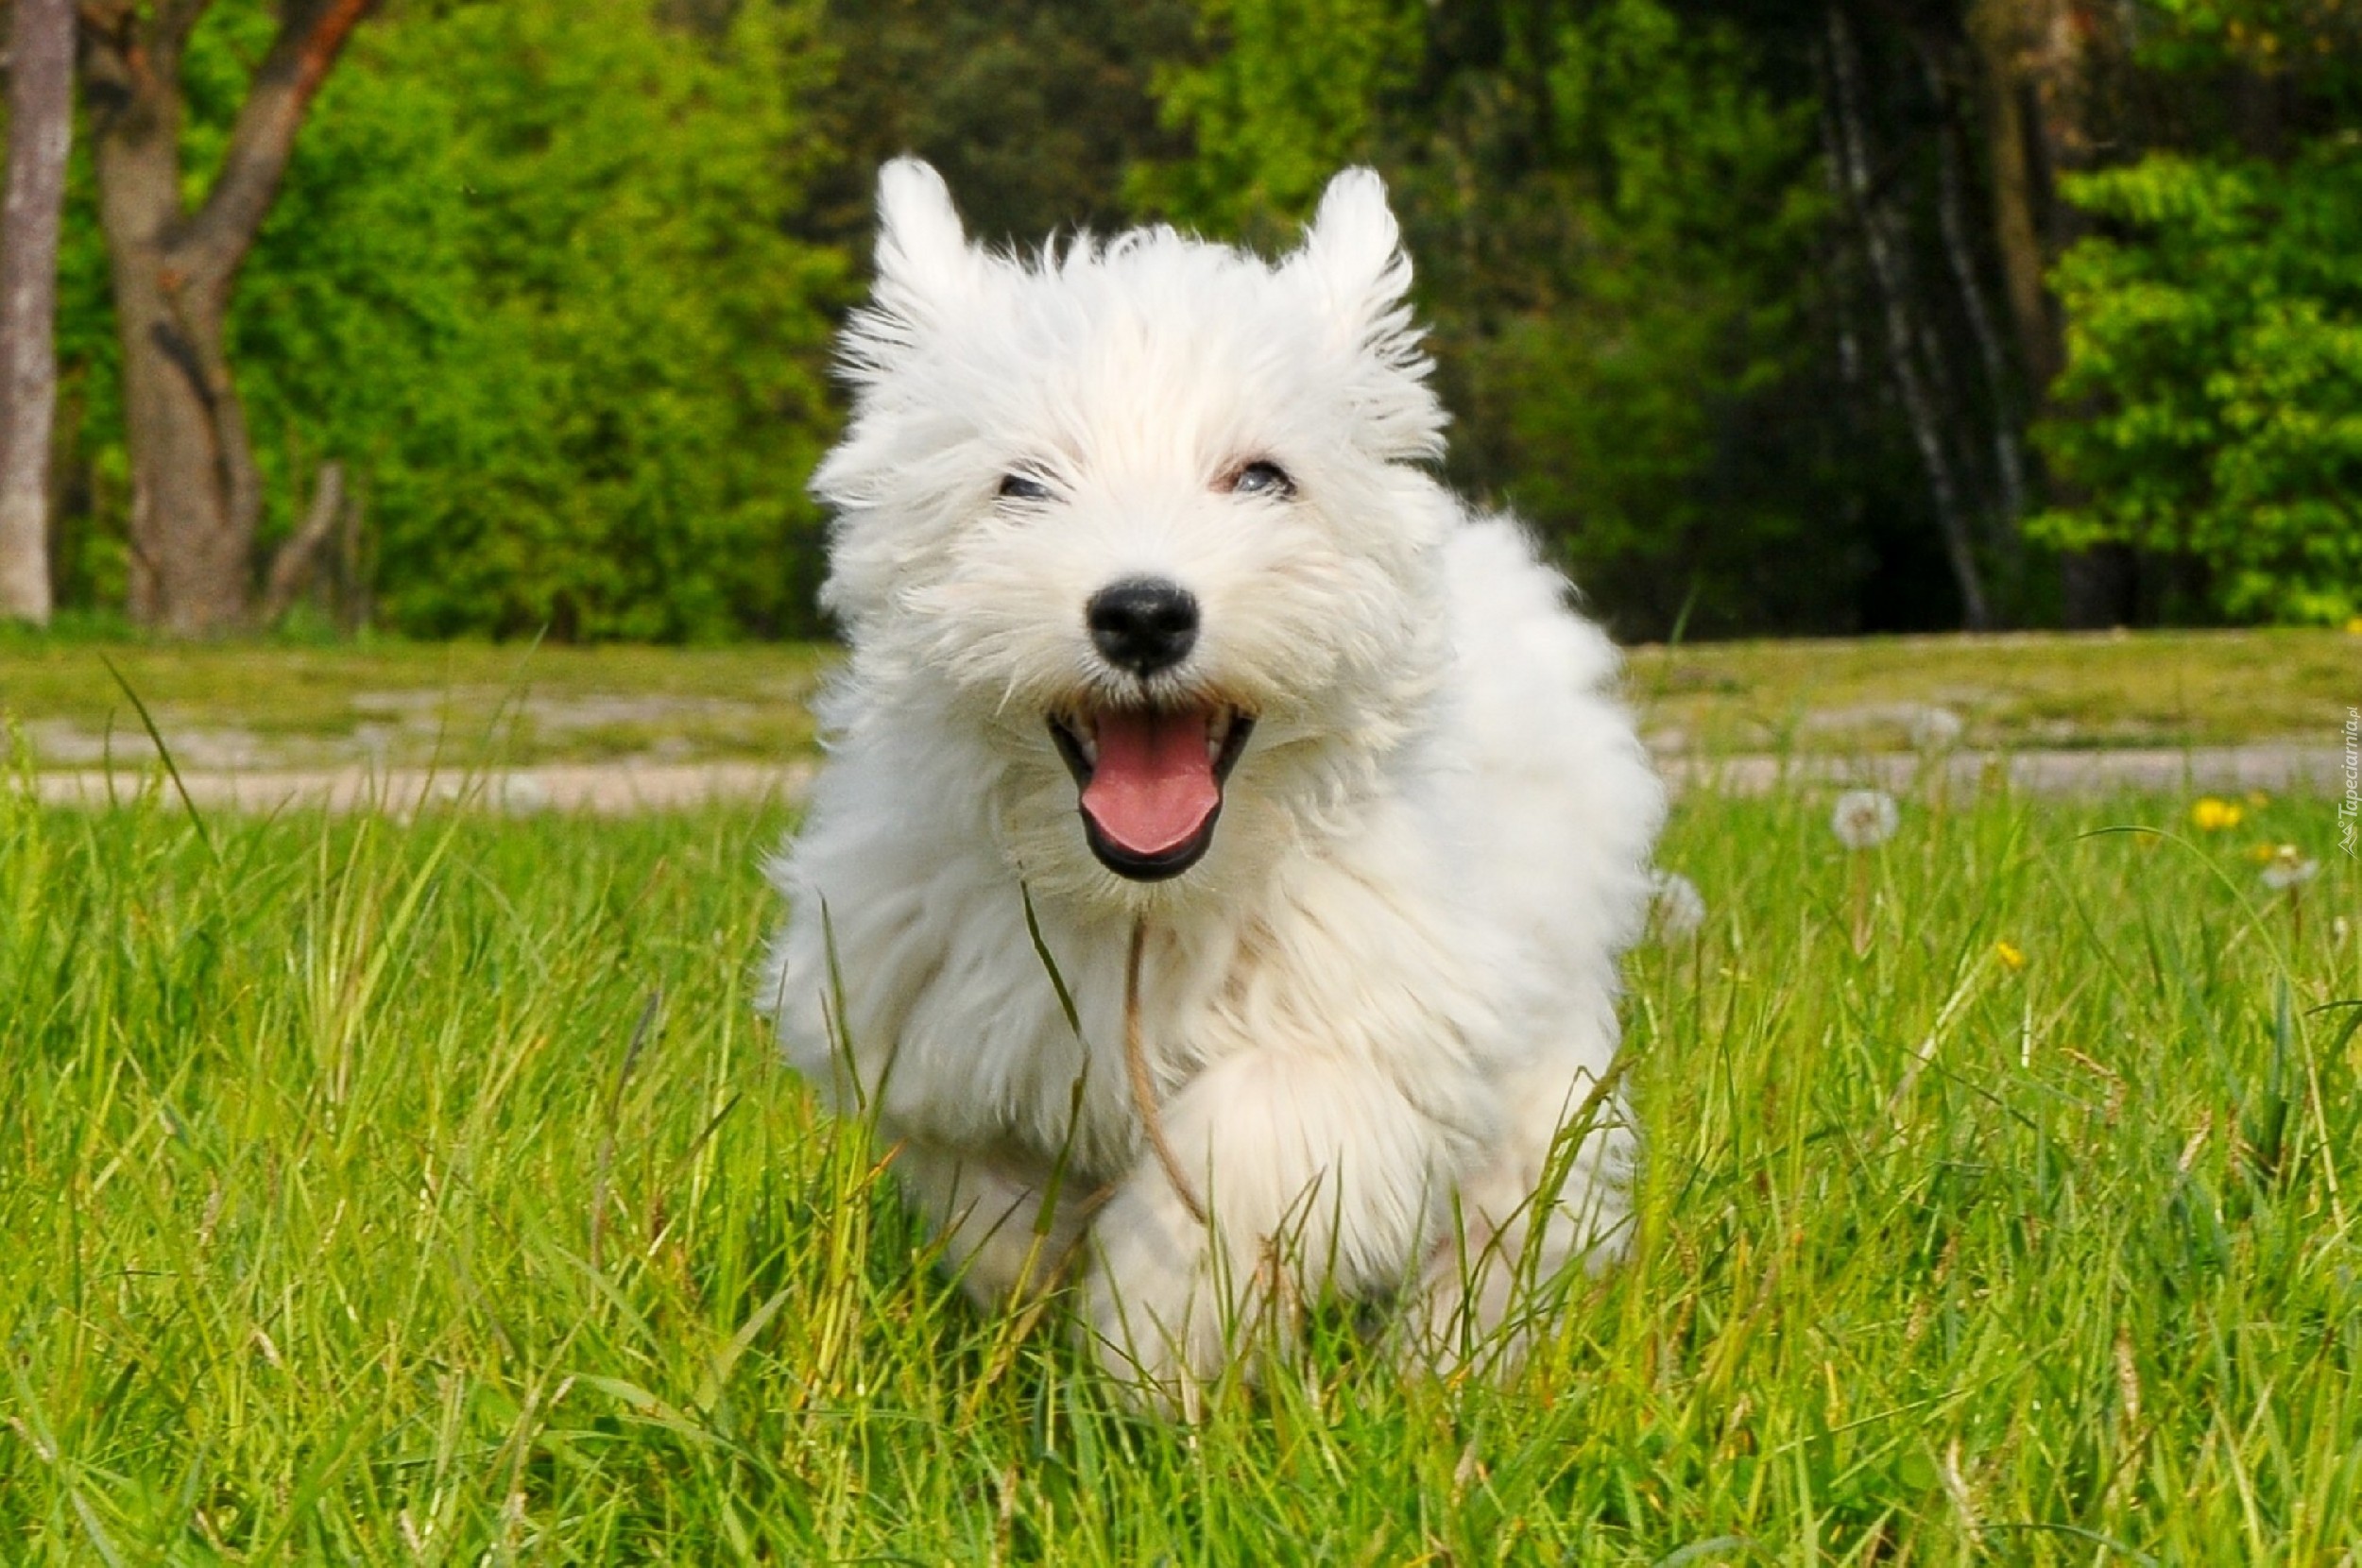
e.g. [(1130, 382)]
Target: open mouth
[(1151, 780)]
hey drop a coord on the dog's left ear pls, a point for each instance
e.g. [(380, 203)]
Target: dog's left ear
[(1354, 248), (1353, 257)]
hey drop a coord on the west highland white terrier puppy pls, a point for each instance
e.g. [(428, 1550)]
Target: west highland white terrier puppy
[(1180, 685)]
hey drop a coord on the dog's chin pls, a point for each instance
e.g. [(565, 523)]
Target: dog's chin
[(1149, 781)]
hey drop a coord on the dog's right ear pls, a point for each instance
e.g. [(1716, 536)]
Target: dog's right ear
[(923, 257)]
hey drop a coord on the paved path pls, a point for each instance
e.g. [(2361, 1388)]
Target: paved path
[(604, 789), (626, 787)]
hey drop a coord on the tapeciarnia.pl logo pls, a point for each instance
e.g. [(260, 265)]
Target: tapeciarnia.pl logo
[(2351, 806)]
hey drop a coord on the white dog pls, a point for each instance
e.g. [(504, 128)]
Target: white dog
[(1166, 642)]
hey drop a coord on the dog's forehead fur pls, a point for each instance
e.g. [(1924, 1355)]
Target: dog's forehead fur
[(1149, 351)]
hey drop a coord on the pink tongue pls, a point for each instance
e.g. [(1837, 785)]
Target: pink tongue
[(1154, 785)]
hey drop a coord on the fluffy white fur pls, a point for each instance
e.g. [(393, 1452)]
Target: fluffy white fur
[(1372, 1005)]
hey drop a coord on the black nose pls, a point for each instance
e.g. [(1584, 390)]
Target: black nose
[(1143, 624)]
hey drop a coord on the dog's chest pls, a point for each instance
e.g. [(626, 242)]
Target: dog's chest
[(988, 1054)]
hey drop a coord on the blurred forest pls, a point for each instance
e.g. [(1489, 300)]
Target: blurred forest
[(1783, 316)]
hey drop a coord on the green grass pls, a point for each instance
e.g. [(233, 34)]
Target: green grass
[(309, 705), (2016, 689), (411, 702), (353, 1215)]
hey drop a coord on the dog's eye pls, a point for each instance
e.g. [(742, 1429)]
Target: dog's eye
[(1022, 487), (1262, 478)]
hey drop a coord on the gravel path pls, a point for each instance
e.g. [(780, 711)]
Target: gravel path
[(604, 789), (621, 788)]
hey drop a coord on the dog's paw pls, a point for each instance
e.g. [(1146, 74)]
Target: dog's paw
[(1152, 1304), (1488, 1296), (1473, 1312), (1177, 1320)]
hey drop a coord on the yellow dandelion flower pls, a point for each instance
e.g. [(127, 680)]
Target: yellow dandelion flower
[(2012, 957), (2210, 815)]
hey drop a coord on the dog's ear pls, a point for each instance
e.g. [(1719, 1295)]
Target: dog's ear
[(1352, 249), (1352, 256), (923, 257)]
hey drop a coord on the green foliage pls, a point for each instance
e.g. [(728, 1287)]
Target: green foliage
[(1291, 92), (554, 281), (1610, 215), (1646, 318), (530, 278), (1032, 109), (2213, 397), (2310, 45), (355, 1217), (561, 317)]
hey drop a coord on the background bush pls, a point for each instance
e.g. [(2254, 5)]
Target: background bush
[(531, 278), (2216, 374)]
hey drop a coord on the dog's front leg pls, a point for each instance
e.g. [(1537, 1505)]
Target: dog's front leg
[(1311, 1173), (987, 1213), (1552, 1194)]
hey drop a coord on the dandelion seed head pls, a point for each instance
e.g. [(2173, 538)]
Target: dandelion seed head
[(2289, 867), (1937, 729), (1676, 907), (1865, 819)]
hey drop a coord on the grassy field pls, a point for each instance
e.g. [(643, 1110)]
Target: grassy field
[(409, 703), (2012, 690), (263, 706), (427, 1193)]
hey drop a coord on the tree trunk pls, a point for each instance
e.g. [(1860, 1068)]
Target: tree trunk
[(2018, 192), (297, 561), (2101, 587), (196, 500), (40, 127), (2038, 61), (193, 503), (2009, 506), (1847, 146)]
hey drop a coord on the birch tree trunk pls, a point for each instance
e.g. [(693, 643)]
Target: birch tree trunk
[(2008, 508), (196, 500), (41, 127)]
